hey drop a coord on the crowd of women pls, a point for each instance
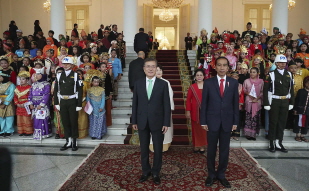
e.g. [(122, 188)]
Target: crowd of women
[(29, 67), (251, 57)]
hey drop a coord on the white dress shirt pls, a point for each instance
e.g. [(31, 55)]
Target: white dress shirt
[(281, 71), (67, 72), (219, 78), (153, 81)]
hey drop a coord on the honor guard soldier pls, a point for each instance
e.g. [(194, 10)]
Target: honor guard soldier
[(68, 100), (279, 99)]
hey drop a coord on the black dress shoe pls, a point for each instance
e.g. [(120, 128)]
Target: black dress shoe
[(209, 181), (21, 134), (57, 136), (2, 134), (144, 178), (272, 146), (156, 179), (202, 152), (225, 183), (74, 145), (7, 134)]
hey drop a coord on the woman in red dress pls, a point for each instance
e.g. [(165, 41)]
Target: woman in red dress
[(193, 106)]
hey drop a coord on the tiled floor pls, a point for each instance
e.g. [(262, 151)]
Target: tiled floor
[(44, 168)]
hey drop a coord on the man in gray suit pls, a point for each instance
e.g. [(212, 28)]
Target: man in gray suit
[(151, 112)]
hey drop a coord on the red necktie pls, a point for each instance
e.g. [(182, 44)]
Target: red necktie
[(221, 87)]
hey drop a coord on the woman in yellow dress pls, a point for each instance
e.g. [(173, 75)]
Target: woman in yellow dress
[(83, 121)]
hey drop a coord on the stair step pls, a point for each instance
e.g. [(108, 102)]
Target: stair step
[(122, 110), (117, 129), (120, 119), (122, 102)]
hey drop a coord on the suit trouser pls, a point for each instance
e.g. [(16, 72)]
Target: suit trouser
[(277, 118), (69, 117), (224, 148), (157, 138)]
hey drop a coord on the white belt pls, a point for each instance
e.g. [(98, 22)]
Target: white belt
[(67, 96), (281, 97)]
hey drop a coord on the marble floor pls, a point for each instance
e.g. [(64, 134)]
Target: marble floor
[(44, 168)]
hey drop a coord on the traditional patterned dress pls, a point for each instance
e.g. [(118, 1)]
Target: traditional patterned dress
[(7, 114), (40, 95), (24, 121), (97, 124), (122, 47), (253, 109), (193, 104), (83, 121), (299, 77), (57, 119), (106, 83)]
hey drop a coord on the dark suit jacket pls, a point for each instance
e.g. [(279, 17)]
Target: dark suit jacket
[(188, 39), (67, 84), (301, 105), (141, 41), (252, 33), (100, 33), (217, 110), (112, 36), (157, 110), (136, 71)]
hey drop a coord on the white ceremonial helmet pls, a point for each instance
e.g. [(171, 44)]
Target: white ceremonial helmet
[(67, 60), (280, 58)]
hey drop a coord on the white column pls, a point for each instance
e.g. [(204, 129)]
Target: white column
[(280, 15), (129, 22), (57, 17), (205, 16)]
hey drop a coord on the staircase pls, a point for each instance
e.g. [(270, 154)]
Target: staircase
[(177, 72)]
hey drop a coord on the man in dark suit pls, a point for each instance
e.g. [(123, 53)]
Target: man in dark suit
[(188, 40), (141, 41), (136, 69), (252, 33), (113, 34), (151, 112), (100, 31), (219, 116)]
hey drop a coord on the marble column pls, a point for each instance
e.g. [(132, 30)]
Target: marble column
[(57, 17), (280, 15), (205, 16), (130, 23)]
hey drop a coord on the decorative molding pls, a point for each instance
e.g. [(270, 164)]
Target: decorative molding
[(244, 2), (78, 2)]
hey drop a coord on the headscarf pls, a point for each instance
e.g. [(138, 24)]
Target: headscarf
[(257, 85), (6, 77), (50, 39), (44, 78)]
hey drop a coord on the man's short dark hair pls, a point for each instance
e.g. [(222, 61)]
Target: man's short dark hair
[(51, 31), (113, 26), (150, 60), (249, 23), (75, 24), (141, 29), (222, 57)]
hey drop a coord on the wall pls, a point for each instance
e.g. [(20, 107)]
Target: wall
[(227, 15), (24, 13), (298, 18)]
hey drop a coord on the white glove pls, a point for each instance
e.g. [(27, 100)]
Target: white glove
[(57, 107), (267, 107), (291, 107), (78, 108)]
